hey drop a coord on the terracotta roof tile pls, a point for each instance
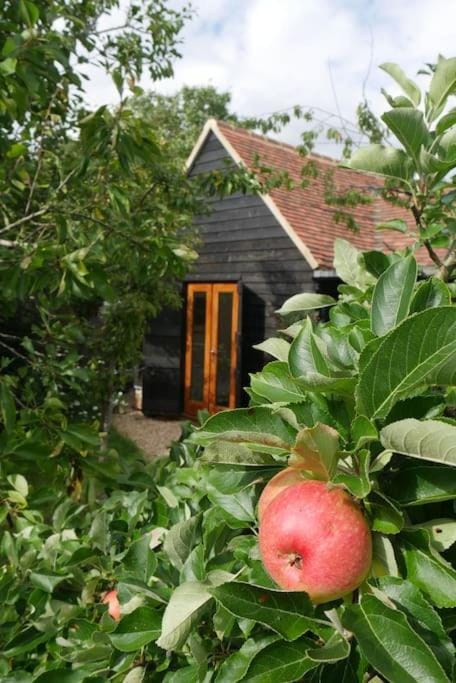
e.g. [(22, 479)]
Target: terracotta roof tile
[(305, 209)]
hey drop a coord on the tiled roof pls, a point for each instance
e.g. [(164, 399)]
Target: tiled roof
[(305, 209)]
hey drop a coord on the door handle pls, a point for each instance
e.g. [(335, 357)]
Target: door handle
[(213, 352)]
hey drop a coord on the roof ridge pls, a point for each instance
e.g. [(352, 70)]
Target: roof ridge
[(278, 143)]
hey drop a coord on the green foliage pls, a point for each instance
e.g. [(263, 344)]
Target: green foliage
[(419, 172), (364, 400)]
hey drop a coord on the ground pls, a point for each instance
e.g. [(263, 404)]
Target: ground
[(153, 436)]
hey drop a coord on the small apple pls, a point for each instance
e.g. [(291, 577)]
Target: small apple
[(110, 598), (279, 482), (314, 538)]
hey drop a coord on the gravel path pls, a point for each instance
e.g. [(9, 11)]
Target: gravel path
[(153, 436)]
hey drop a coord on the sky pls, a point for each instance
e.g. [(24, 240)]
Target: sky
[(322, 54)]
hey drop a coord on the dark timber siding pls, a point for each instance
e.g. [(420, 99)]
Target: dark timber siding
[(240, 241)]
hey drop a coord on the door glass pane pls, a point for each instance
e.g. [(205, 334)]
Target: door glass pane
[(198, 346), (225, 314)]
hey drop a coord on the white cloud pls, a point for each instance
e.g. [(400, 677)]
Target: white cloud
[(272, 54)]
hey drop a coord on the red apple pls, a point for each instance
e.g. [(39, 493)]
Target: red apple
[(285, 478), (314, 538), (110, 598)]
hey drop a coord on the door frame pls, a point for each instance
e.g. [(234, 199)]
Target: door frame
[(212, 290)]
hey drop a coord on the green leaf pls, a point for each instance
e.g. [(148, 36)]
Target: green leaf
[(421, 350), (422, 617), (46, 581), (349, 266), (407, 124), (427, 569), (288, 614), (183, 612), (19, 482), (430, 294), (408, 86), (383, 557), (276, 347), (443, 83), (442, 532), (235, 667), (239, 505), (275, 384), (228, 453), (386, 161), (307, 301), (357, 483), (376, 262), (306, 354), (8, 66), (7, 406), (428, 440), (180, 539), (136, 630), (281, 661), (363, 431), (385, 517), (392, 295), (418, 484), (335, 649), (396, 224), (308, 361), (390, 644), (446, 121), (140, 561), (316, 449), (242, 425), (60, 676)]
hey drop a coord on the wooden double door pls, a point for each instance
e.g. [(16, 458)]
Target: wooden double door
[(211, 349)]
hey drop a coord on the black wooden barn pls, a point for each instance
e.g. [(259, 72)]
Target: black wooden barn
[(255, 252)]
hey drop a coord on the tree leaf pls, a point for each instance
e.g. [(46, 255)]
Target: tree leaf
[(383, 558), (430, 294), (275, 384), (281, 661), (255, 425), (139, 561), (397, 224), (357, 483), (306, 354), (442, 532), (392, 295), (307, 301), (335, 649), (427, 569), (183, 612), (235, 667), (442, 84), (421, 350), (386, 161), (316, 449), (422, 617), (228, 453), (136, 629), (408, 86), (276, 347), (390, 644), (239, 505), (384, 517), (409, 127), (288, 614), (428, 440), (7, 407), (349, 265), (180, 540), (418, 484)]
